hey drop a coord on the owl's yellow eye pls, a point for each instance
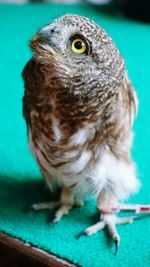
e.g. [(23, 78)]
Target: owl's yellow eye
[(79, 46)]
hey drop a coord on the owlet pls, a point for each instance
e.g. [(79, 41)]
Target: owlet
[(79, 106)]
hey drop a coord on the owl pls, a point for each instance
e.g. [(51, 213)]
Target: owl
[(79, 106)]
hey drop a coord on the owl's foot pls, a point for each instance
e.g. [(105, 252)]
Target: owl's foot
[(109, 221), (62, 208)]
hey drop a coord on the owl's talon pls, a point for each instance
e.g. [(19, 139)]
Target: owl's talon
[(53, 220), (62, 210), (81, 234), (116, 246)]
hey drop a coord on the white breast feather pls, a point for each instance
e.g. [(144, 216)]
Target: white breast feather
[(81, 136), (56, 130), (79, 164), (115, 176)]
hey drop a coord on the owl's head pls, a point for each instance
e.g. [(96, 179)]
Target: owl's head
[(80, 46)]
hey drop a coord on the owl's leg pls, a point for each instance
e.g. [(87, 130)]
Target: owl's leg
[(109, 221), (66, 203), (63, 206)]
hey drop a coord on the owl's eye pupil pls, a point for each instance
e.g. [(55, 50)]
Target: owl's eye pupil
[(78, 45)]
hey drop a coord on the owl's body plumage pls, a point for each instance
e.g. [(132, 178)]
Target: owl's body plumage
[(79, 110)]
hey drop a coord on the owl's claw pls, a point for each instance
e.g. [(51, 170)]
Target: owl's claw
[(117, 246), (52, 220), (93, 229), (108, 221), (81, 234), (62, 208)]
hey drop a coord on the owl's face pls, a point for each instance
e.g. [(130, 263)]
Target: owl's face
[(67, 38), (78, 44)]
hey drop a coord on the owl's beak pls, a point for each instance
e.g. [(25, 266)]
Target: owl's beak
[(36, 38), (41, 37), (40, 41), (36, 41)]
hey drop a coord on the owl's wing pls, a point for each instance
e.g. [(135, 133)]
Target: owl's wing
[(27, 77), (133, 101), (134, 104), (33, 79)]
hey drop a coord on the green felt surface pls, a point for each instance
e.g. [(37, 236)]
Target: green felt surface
[(20, 179)]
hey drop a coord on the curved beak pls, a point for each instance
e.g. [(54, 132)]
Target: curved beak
[(35, 41)]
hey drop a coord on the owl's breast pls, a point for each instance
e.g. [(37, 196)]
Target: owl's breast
[(62, 158), (82, 167)]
